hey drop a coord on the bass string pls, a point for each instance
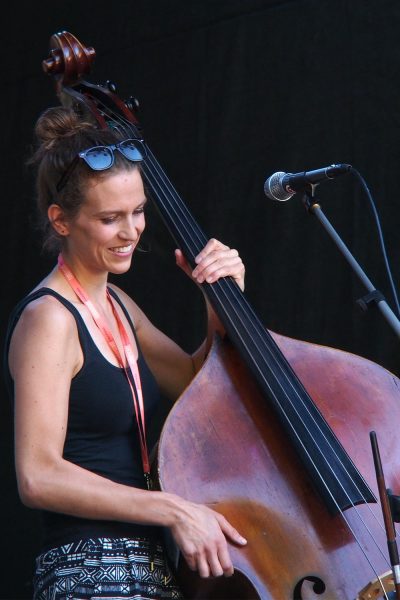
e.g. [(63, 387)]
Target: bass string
[(239, 317), (235, 289), (239, 310), (272, 356)]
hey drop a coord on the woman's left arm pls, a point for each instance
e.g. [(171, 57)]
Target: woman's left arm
[(172, 367)]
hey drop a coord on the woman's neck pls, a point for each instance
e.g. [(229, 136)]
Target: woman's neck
[(93, 282)]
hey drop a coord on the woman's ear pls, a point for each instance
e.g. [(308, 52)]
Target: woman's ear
[(57, 219)]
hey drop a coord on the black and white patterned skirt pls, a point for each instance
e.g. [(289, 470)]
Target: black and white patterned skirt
[(91, 569)]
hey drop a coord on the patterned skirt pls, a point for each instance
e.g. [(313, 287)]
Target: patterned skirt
[(91, 569)]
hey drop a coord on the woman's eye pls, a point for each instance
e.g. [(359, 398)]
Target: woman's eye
[(139, 211), (108, 220)]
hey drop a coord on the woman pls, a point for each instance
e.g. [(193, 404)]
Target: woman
[(81, 405)]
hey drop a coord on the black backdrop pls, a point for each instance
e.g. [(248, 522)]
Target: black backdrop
[(230, 91)]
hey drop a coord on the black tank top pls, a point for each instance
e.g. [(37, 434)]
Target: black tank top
[(102, 434)]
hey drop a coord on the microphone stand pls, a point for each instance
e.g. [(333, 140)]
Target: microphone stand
[(373, 295)]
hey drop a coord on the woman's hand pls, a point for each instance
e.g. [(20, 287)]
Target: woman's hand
[(214, 261), (201, 534)]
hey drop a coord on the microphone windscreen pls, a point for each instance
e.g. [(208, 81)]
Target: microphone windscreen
[(274, 189)]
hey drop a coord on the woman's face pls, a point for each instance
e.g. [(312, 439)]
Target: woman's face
[(108, 226)]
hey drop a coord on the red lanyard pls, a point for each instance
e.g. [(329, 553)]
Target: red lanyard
[(129, 356)]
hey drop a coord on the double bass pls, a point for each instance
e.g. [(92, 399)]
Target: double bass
[(272, 432)]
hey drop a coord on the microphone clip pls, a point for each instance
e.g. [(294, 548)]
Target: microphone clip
[(373, 297)]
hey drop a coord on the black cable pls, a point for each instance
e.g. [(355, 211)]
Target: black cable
[(380, 234)]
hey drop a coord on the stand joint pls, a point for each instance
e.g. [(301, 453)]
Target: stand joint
[(375, 296)]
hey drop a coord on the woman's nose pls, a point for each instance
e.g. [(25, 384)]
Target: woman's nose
[(132, 227)]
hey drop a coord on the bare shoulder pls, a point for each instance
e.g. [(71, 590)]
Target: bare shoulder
[(44, 313), (45, 325)]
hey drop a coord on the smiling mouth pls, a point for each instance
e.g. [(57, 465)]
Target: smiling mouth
[(122, 249)]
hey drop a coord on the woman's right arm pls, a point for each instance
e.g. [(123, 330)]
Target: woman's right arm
[(44, 356)]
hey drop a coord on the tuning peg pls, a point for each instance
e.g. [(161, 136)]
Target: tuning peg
[(133, 104), (111, 86)]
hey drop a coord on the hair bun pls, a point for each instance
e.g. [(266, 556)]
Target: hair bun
[(59, 122)]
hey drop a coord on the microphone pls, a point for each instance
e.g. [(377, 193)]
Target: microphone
[(282, 186)]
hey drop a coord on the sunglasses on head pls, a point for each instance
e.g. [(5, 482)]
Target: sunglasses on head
[(100, 158)]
